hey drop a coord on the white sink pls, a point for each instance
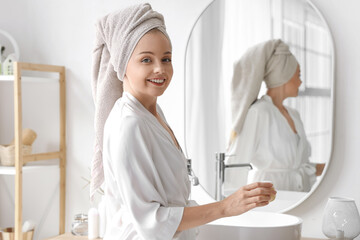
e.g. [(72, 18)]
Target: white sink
[(253, 225)]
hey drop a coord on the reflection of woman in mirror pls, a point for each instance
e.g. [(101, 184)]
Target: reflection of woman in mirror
[(266, 133)]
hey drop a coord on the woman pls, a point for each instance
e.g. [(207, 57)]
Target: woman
[(146, 182), (266, 133)]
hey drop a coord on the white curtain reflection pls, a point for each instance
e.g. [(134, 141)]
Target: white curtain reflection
[(222, 35), (202, 92)]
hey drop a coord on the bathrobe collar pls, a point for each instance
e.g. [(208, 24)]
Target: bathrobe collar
[(136, 105), (267, 98)]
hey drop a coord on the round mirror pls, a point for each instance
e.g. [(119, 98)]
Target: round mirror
[(221, 35)]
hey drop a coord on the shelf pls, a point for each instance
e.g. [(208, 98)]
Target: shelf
[(10, 78), (4, 170), (52, 74)]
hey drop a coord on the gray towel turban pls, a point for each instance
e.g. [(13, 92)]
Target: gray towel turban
[(270, 61), (117, 35)]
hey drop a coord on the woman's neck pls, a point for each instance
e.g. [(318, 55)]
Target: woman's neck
[(149, 102), (149, 105), (277, 97)]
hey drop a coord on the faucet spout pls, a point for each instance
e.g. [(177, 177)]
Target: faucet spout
[(220, 173), (248, 165)]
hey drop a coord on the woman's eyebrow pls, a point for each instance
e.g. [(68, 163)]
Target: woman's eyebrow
[(149, 52), (146, 52)]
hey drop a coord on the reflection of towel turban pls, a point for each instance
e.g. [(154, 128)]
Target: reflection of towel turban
[(270, 61), (117, 34)]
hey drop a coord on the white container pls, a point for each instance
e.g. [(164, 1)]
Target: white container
[(93, 223), (102, 217), (341, 218)]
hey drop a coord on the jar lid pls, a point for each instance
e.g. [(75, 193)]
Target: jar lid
[(81, 217)]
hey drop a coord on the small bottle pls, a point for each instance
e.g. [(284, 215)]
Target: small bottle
[(102, 217), (93, 230), (80, 225)]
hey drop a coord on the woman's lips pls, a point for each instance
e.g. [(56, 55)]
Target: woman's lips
[(157, 81)]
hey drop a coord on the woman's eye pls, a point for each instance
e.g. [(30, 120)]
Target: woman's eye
[(146, 60), (167, 60)]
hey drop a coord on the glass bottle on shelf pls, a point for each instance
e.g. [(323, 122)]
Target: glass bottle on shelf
[(80, 225)]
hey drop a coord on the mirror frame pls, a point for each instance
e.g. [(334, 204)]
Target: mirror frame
[(332, 108)]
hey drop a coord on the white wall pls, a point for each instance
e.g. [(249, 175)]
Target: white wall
[(61, 33), (342, 177)]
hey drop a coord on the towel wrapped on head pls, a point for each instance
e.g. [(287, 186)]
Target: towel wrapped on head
[(117, 35), (269, 61)]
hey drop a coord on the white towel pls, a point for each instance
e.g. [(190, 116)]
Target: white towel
[(270, 61), (116, 37)]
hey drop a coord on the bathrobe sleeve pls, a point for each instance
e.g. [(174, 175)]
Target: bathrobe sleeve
[(130, 148)]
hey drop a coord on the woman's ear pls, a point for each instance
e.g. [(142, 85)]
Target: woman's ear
[(125, 78)]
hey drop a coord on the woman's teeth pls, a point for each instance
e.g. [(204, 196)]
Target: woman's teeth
[(157, 80)]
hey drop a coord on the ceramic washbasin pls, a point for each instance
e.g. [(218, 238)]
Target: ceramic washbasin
[(253, 225)]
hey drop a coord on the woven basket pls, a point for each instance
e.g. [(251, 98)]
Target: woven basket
[(8, 234), (7, 154)]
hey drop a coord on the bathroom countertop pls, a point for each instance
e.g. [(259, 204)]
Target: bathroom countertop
[(311, 238), (69, 236)]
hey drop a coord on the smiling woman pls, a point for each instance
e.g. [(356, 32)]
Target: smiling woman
[(137, 155)]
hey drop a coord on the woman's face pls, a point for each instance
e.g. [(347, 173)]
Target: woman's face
[(149, 70), (292, 86)]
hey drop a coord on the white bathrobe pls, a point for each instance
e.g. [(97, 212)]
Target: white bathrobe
[(276, 153), (146, 180)]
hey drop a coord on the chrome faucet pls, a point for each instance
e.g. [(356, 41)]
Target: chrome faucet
[(220, 173)]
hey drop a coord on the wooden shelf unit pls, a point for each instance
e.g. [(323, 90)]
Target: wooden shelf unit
[(20, 160)]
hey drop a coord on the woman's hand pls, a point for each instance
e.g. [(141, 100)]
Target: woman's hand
[(248, 197)]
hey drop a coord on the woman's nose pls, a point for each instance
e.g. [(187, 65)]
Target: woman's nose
[(158, 68)]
